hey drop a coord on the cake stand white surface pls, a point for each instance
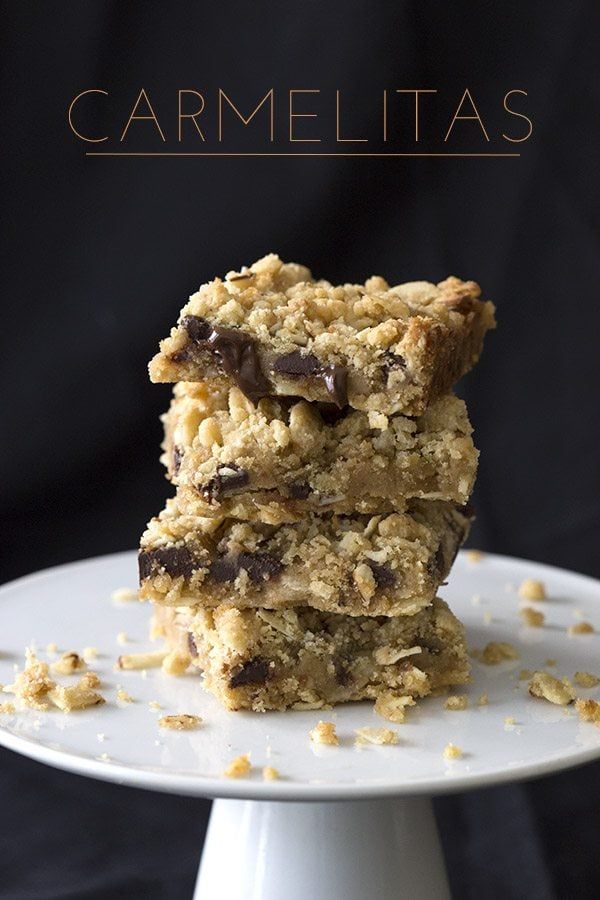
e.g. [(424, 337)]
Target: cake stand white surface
[(369, 830)]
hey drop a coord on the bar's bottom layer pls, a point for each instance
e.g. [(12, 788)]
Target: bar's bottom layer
[(265, 659)]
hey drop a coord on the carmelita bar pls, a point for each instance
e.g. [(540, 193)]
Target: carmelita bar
[(273, 329)]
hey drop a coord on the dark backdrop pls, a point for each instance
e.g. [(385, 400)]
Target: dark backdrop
[(103, 251)]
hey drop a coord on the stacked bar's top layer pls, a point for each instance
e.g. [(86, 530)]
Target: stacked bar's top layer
[(274, 330), (359, 565), (282, 458), (261, 659)]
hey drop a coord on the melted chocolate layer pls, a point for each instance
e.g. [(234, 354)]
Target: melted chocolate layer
[(175, 561), (306, 365), (236, 352)]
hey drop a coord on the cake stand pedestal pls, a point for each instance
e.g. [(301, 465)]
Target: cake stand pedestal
[(386, 849), (341, 822)]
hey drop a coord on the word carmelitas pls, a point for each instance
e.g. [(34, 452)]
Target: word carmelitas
[(297, 116)]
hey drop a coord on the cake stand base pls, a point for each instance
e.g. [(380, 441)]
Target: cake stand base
[(386, 849)]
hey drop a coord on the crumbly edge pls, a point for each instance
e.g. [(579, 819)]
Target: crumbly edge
[(265, 659), (215, 437), (332, 563), (435, 332)]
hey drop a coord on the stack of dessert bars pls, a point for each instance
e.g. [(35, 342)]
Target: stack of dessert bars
[(323, 470)]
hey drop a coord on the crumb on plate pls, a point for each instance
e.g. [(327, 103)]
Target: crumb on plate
[(68, 663), (532, 589), (180, 722), (496, 652), (141, 660), (124, 595), (378, 736), (547, 687), (456, 701), (589, 711), (324, 733), (581, 628), (270, 773), (451, 751), (531, 617), (238, 767), (586, 679)]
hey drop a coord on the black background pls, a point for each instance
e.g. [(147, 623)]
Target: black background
[(102, 253)]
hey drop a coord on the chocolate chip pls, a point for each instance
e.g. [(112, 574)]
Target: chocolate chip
[(383, 575), (437, 566), (197, 328), (228, 479), (393, 361), (192, 646), (177, 457), (336, 382), (330, 413), (255, 671), (299, 490), (174, 561), (342, 675), (297, 364), (236, 352), (306, 365), (259, 566)]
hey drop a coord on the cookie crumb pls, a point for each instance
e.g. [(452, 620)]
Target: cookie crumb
[(77, 696), (7, 708), (51, 648), (175, 663), (122, 638), (456, 701), (393, 707), (483, 699), (68, 663), (586, 679), (324, 733), (547, 687), (474, 556), (238, 767), (378, 736), (89, 653), (154, 704), (270, 773), (525, 674), (451, 751), (509, 720), (589, 711), (581, 628), (496, 652), (551, 663), (141, 660), (123, 696), (532, 617), (124, 595), (532, 589), (180, 722)]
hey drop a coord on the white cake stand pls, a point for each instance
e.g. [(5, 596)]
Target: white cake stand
[(368, 830)]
